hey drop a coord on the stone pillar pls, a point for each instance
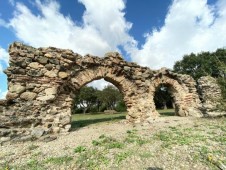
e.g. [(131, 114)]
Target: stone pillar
[(210, 95)]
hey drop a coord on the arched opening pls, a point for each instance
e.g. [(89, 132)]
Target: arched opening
[(165, 100), (97, 101)]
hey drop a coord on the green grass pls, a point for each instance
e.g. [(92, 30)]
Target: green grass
[(203, 143), (59, 160), (82, 120), (107, 142), (167, 112), (80, 149)]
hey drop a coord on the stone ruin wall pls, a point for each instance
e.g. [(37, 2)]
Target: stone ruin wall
[(211, 97), (43, 82)]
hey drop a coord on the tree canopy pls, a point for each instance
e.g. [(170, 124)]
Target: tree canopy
[(90, 99), (162, 97), (204, 64)]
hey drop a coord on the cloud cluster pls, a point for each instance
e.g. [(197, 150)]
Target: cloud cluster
[(4, 58), (2, 94), (103, 29), (99, 84), (190, 26)]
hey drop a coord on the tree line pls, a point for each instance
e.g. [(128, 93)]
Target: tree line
[(90, 99), (205, 64)]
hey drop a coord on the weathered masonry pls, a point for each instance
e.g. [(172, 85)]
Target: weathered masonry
[(43, 82)]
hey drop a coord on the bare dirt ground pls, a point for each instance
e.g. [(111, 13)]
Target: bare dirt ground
[(179, 143)]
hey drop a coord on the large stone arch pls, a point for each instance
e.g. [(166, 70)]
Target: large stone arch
[(88, 75), (42, 82)]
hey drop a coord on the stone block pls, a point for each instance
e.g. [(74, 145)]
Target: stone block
[(51, 74), (11, 96), (16, 88), (46, 98), (63, 75), (37, 132), (51, 91), (35, 65), (5, 139), (65, 120), (42, 60), (28, 96)]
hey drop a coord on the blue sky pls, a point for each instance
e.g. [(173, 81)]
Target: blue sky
[(152, 33)]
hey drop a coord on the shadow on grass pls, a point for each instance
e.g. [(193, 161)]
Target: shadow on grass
[(167, 113), (82, 123)]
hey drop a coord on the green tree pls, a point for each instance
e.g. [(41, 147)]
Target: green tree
[(85, 99), (89, 99), (162, 97), (109, 97), (203, 64)]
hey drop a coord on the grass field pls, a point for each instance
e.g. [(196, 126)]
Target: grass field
[(81, 120), (190, 143)]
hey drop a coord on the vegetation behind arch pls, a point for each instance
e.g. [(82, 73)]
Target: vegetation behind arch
[(90, 99), (205, 64)]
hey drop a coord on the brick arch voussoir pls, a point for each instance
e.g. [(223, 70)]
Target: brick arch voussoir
[(178, 88), (125, 86), (178, 92)]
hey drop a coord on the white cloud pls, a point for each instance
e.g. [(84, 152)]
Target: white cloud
[(1, 69), (190, 26), (99, 84), (3, 94), (4, 58), (12, 2), (2, 23), (102, 30)]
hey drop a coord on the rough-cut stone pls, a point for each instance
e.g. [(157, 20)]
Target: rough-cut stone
[(46, 98), (63, 75), (53, 111), (26, 138), (43, 83), (67, 127), (52, 90), (127, 68), (16, 88), (28, 96), (51, 74), (11, 96), (35, 65), (49, 66), (4, 139), (4, 132), (65, 120), (37, 132), (34, 73), (48, 55), (56, 129), (42, 60)]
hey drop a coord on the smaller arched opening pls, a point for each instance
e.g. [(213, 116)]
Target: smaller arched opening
[(97, 101), (165, 100), (167, 96)]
